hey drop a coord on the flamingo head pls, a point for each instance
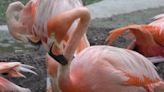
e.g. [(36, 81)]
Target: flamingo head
[(20, 20), (13, 69)]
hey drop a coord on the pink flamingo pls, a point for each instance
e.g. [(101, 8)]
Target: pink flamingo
[(20, 20), (60, 35), (149, 38), (24, 28), (13, 69), (100, 68)]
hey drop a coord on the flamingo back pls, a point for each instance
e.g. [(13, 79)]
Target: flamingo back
[(109, 68)]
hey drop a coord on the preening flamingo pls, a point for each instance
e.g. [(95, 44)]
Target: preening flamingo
[(20, 20), (13, 69), (54, 27), (149, 38), (100, 68), (26, 28)]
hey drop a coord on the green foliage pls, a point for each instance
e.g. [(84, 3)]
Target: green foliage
[(87, 2)]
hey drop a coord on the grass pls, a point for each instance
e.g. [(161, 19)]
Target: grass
[(4, 4)]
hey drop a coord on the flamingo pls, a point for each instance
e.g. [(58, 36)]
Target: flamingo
[(149, 38), (13, 69), (71, 74), (99, 68), (61, 36), (20, 19), (25, 26)]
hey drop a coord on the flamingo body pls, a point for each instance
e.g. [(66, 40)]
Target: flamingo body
[(103, 72), (147, 40)]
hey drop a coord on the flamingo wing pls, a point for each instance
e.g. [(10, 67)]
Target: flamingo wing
[(111, 67), (159, 32), (135, 67), (141, 35)]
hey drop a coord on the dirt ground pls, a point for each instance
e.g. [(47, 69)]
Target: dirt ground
[(97, 32), (37, 83)]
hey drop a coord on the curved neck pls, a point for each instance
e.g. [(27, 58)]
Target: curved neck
[(84, 15)]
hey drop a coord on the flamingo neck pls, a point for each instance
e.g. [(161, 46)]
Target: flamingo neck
[(63, 76), (79, 32), (83, 15), (64, 72), (66, 84)]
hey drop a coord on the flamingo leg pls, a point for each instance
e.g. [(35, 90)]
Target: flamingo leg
[(54, 85)]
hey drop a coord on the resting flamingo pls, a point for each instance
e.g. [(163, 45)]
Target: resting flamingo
[(149, 38), (13, 69), (99, 68), (24, 29)]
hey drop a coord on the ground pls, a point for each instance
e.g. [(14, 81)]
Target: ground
[(37, 83), (97, 32)]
